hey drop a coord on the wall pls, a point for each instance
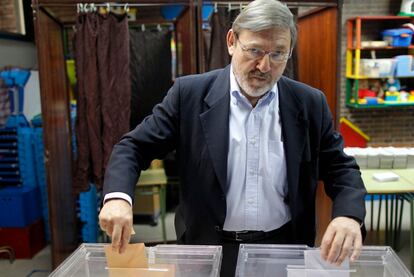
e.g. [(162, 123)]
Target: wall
[(17, 53), (14, 52), (392, 126)]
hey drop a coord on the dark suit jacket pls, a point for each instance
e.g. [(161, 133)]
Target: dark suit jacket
[(194, 119)]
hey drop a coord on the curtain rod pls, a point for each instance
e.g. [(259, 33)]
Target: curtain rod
[(133, 23), (57, 4), (289, 4)]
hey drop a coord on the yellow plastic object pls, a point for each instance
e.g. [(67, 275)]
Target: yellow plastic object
[(392, 93), (349, 63), (362, 101), (70, 68), (357, 62)]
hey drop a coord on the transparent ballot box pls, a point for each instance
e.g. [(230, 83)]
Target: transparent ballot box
[(163, 260), (301, 261)]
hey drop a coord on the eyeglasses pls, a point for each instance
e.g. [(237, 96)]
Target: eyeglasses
[(257, 53)]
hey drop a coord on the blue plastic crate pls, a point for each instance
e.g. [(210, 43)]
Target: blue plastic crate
[(47, 229), (37, 121), (19, 206), (5, 159), (41, 172), (26, 156), (90, 234), (8, 130), (44, 198), (39, 156), (404, 66), (17, 121), (88, 204), (398, 37)]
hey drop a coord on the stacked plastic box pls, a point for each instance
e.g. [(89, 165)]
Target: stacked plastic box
[(21, 224), (19, 206), (88, 213), (189, 261), (88, 202), (382, 157), (21, 212), (41, 176), (26, 156), (299, 260), (17, 166), (9, 158)]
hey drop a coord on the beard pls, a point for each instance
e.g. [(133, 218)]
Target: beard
[(249, 88)]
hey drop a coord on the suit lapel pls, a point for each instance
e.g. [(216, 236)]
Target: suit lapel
[(294, 130), (215, 123)]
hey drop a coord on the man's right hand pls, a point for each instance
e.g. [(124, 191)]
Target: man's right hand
[(115, 219)]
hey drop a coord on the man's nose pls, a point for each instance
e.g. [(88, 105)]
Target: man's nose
[(264, 63)]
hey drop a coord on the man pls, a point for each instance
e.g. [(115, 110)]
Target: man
[(251, 147)]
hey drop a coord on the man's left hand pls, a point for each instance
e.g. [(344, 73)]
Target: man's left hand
[(342, 235)]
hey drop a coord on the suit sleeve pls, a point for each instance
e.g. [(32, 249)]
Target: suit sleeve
[(153, 138), (340, 173)]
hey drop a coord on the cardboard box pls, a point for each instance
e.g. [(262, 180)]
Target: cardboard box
[(147, 201)]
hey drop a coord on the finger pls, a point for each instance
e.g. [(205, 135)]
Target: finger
[(116, 237), (326, 243), (335, 247), (357, 247), (126, 235), (345, 250), (109, 229), (103, 224)]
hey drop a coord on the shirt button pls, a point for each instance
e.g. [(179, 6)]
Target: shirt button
[(250, 201), (251, 172)]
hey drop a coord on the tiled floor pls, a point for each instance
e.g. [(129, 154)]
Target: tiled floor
[(40, 265)]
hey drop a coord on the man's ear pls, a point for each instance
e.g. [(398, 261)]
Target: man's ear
[(231, 40)]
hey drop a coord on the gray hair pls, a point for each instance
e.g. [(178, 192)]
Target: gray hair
[(260, 15)]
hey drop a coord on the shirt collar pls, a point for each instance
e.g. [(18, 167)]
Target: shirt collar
[(236, 96)]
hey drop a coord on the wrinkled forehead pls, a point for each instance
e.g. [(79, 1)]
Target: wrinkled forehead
[(273, 38)]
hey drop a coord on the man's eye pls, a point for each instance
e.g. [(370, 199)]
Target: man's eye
[(255, 51), (277, 54)]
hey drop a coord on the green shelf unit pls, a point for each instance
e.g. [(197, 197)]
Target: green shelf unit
[(384, 105), (355, 51), (352, 93)]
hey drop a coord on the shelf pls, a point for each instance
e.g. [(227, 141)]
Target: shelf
[(383, 48), (380, 77), (357, 32), (384, 105), (384, 17)]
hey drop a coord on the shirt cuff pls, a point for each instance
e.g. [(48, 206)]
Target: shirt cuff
[(118, 195)]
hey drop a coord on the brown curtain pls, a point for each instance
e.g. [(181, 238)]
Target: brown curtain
[(103, 92), (150, 67), (220, 22), (216, 55)]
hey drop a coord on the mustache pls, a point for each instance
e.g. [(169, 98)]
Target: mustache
[(259, 74)]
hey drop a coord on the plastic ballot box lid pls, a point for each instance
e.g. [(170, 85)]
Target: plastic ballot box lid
[(89, 260), (299, 260)]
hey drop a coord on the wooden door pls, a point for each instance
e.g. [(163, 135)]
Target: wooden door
[(56, 132), (317, 66)]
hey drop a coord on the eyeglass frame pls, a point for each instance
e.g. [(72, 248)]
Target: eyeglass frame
[(261, 53)]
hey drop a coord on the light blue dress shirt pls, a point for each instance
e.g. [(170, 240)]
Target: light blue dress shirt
[(256, 168)]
